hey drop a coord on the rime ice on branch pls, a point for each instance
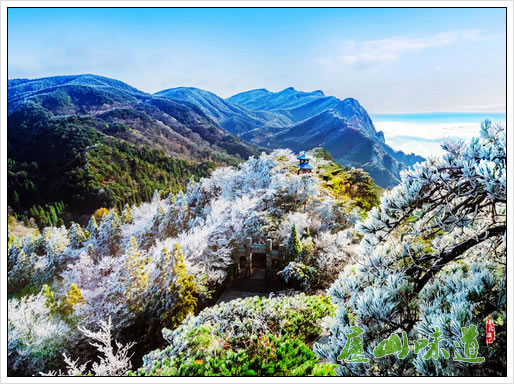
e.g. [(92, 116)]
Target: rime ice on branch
[(432, 255)]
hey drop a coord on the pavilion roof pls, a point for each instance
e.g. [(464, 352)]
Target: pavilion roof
[(303, 156)]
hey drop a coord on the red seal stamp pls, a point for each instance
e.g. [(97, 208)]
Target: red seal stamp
[(489, 331)]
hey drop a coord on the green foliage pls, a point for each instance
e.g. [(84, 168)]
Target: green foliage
[(11, 239), (299, 275), (308, 247), (58, 164), (120, 173), (63, 306), (47, 215), (348, 184), (100, 213), (304, 322), (138, 276), (294, 245), (265, 355), (322, 153), (185, 288), (254, 336)]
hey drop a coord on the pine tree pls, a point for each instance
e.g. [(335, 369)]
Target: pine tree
[(126, 215), (100, 213), (185, 287), (138, 277), (294, 245), (92, 227), (77, 236), (108, 235), (436, 240), (52, 215), (73, 298)]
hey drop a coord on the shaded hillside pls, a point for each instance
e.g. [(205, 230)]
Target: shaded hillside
[(179, 128), (88, 141), (348, 145), (299, 106), (70, 160), (230, 116), (342, 126)]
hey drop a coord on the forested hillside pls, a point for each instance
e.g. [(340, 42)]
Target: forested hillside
[(76, 143), (159, 260), (424, 261)]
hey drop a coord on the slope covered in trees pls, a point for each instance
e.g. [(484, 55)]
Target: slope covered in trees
[(303, 121), (87, 141), (429, 259), (125, 265)]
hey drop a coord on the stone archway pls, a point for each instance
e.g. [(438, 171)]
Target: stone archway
[(258, 265), (253, 257)]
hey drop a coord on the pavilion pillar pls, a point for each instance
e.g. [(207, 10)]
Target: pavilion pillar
[(269, 248), (237, 263), (248, 247), (281, 255)]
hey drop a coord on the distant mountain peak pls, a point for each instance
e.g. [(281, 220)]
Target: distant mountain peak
[(300, 120), (318, 93), (351, 100)]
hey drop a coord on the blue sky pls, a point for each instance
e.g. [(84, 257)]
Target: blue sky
[(391, 60)]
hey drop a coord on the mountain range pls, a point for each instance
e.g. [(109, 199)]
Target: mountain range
[(302, 121), (88, 140)]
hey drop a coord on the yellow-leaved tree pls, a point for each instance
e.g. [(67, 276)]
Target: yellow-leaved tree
[(183, 288)]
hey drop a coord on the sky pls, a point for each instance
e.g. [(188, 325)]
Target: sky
[(394, 61)]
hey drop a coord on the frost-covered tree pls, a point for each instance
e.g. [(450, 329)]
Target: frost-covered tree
[(293, 246), (92, 227), (36, 337), (432, 256), (258, 198), (298, 275), (21, 261), (77, 236), (184, 288), (33, 262), (137, 281), (126, 215), (334, 251), (107, 239), (112, 361)]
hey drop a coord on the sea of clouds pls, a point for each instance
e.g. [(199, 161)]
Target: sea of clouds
[(423, 135)]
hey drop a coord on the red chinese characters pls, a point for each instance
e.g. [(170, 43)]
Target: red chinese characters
[(489, 331)]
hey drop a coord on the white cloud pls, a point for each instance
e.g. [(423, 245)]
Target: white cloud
[(372, 52), (428, 131), (425, 139)]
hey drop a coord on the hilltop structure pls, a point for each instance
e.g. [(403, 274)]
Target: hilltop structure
[(304, 165)]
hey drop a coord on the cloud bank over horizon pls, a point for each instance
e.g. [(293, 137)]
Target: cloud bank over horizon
[(424, 136)]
